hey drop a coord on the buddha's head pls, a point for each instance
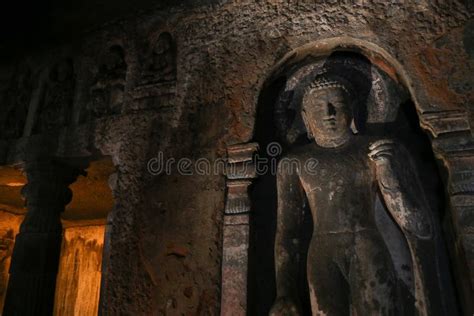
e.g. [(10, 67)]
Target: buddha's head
[(327, 110)]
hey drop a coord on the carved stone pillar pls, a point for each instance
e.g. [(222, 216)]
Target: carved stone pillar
[(453, 143), (240, 172), (35, 258)]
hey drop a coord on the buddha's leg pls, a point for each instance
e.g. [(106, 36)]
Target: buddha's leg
[(328, 289), (372, 277)]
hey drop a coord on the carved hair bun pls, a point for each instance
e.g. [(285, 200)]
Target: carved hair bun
[(324, 81)]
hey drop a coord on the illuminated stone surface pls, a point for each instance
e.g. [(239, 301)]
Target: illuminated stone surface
[(9, 226), (79, 276)]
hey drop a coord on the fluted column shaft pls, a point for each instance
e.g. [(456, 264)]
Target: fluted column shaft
[(35, 257)]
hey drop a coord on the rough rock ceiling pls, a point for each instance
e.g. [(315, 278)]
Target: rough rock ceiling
[(30, 24)]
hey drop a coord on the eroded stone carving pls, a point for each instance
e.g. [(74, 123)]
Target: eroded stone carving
[(161, 63), (157, 81), (16, 101), (55, 109), (349, 265), (379, 95), (106, 94)]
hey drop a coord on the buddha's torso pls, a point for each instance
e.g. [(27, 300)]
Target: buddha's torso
[(341, 190)]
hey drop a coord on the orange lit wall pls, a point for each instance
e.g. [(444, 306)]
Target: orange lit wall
[(9, 226)]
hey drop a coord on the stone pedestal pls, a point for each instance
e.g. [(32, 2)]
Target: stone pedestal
[(35, 259)]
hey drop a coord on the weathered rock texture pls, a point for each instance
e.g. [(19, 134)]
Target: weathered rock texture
[(165, 243)]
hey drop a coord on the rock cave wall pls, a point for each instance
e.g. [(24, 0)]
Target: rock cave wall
[(98, 95)]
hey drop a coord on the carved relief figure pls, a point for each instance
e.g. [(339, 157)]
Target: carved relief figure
[(161, 63), (108, 90), (349, 267), (56, 107), (16, 100)]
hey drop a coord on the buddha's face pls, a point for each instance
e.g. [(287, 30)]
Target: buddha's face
[(327, 114)]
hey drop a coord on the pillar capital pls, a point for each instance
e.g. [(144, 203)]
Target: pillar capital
[(35, 257)]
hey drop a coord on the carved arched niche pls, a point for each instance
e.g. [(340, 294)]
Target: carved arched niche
[(386, 108)]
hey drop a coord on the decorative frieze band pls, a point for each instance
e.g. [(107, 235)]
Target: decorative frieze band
[(443, 122), (461, 170), (463, 206), (240, 171), (238, 201)]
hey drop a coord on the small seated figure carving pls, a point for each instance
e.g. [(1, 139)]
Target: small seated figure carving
[(349, 267), (56, 108), (16, 99), (161, 66), (108, 90)]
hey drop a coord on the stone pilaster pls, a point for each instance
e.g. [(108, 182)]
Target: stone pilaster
[(236, 232), (35, 258), (453, 144)]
